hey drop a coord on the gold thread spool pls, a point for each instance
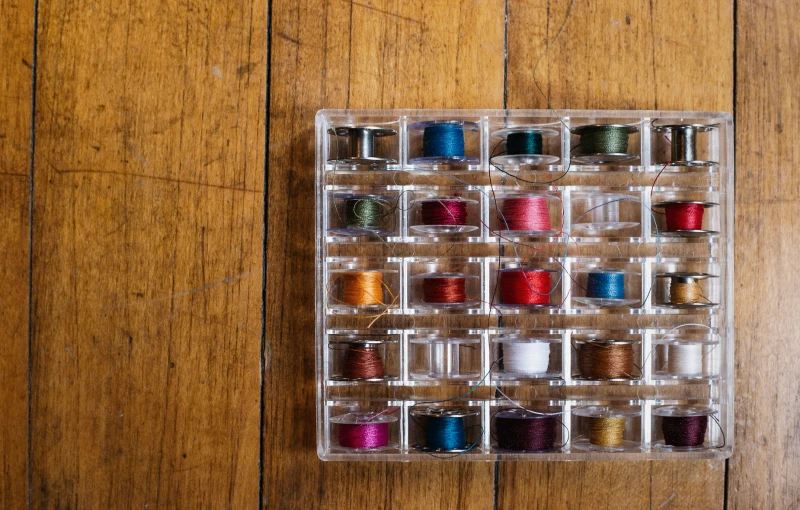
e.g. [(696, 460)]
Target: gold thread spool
[(363, 288), (606, 431), (682, 293)]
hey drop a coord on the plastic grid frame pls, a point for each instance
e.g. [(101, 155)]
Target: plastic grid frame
[(719, 260)]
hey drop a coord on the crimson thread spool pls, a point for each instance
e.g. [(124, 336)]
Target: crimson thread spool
[(607, 360), (526, 214), (443, 290), (523, 430), (684, 216), (443, 215), (683, 427), (525, 287), (363, 430)]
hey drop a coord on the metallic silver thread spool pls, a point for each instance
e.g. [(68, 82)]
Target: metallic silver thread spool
[(361, 144), (684, 143)]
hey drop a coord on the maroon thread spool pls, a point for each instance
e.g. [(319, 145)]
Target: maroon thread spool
[(684, 427), (523, 430)]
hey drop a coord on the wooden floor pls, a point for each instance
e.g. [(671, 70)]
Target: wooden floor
[(158, 321)]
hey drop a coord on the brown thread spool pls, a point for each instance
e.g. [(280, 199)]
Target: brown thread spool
[(681, 293), (606, 360), (362, 362), (362, 288), (606, 431)]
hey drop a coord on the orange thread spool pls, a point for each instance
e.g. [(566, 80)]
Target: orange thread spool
[(363, 288)]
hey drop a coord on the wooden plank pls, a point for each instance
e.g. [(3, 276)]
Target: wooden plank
[(16, 59), (619, 55), (764, 471), (377, 54), (148, 246)]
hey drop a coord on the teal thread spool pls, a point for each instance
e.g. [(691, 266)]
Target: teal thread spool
[(524, 145)]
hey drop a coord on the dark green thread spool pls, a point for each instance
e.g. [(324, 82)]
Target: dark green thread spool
[(524, 142)]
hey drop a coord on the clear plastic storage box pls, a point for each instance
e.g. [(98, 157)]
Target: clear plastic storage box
[(524, 285)]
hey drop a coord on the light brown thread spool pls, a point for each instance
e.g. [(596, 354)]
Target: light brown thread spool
[(606, 360), (606, 431), (365, 288), (681, 293)]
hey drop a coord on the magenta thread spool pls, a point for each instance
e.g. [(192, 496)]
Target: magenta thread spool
[(362, 430)]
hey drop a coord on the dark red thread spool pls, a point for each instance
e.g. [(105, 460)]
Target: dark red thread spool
[(444, 290), (684, 216), (684, 430), (444, 211), (522, 430), (525, 287)]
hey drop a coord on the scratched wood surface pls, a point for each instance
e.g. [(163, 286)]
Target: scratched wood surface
[(147, 254), (765, 467), (334, 55), (148, 245), (16, 80)]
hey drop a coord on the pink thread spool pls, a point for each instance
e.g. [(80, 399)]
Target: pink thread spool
[(363, 430)]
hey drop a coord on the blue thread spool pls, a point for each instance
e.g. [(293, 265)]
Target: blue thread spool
[(607, 285), (444, 429), (443, 142)]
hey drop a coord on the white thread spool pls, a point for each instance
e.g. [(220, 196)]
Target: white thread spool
[(526, 357), (685, 359)]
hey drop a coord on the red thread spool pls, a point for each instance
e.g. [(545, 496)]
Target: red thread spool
[(525, 213), (444, 290), (525, 287), (444, 212), (684, 216)]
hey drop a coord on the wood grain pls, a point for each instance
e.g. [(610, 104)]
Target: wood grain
[(147, 254), (381, 54), (619, 55), (16, 61), (765, 467)]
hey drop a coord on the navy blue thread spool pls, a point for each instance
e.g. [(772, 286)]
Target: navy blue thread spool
[(606, 285), (443, 142), (445, 429)]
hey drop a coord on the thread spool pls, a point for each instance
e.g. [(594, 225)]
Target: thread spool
[(683, 143), (361, 430), (525, 357), (522, 430), (523, 146), (363, 215), (362, 288), (684, 427), (361, 144), (605, 288), (443, 290), (441, 358), (444, 215), (684, 218), (443, 142), (360, 358), (684, 291), (682, 358), (685, 359), (526, 215), (520, 287), (605, 428), (602, 213), (445, 429), (602, 144), (607, 360)]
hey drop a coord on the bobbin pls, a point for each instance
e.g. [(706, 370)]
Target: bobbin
[(683, 139), (436, 358), (364, 418), (601, 158), (466, 125), (467, 303), (599, 411), (520, 413), (602, 211), (355, 340), (361, 144), (633, 379), (516, 160), (502, 222), (685, 233), (605, 302), (661, 370), (512, 306), (503, 374), (350, 231), (442, 412), (681, 411), (338, 307), (442, 229), (687, 277)]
